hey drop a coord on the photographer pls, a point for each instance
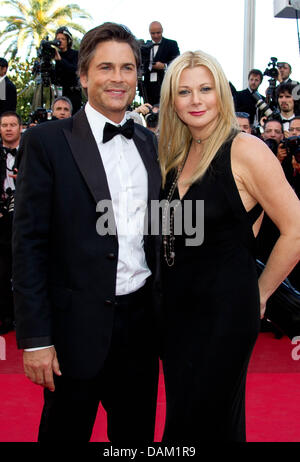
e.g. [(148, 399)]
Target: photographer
[(289, 155), (243, 100), (287, 105), (10, 131), (66, 60), (156, 56)]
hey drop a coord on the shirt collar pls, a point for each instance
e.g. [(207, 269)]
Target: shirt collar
[(97, 122)]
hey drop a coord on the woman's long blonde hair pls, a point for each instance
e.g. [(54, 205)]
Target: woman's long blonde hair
[(174, 135)]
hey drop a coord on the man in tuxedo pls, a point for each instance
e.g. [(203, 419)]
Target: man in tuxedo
[(8, 92), (158, 55), (243, 100), (83, 265), (287, 105), (10, 132)]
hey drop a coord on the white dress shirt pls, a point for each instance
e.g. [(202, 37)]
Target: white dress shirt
[(128, 185)]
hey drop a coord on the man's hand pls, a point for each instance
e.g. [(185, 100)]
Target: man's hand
[(39, 366), (158, 66), (296, 165), (281, 153), (144, 109), (57, 56)]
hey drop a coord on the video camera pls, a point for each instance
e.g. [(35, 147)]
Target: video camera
[(39, 116), (292, 146), (145, 49), (272, 72), (44, 65)]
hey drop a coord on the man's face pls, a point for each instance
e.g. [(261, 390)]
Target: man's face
[(3, 71), (284, 71), (254, 82), (244, 124), (61, 110), (63, 42), (273, 130), (10, 131), (285, 102), (156, 31), (111, 79), (295, 127)]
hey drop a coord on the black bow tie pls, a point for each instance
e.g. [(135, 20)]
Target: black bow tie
[(110, 130), (12, 151)]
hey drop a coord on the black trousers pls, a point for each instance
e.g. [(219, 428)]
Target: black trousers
[(126, 386)]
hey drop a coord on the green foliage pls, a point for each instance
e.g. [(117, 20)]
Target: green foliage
[(22, 76), (33, 20)]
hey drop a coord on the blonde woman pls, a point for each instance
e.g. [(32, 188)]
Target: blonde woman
[(213, 301)]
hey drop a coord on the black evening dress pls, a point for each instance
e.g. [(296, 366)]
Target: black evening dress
[(211, 313)]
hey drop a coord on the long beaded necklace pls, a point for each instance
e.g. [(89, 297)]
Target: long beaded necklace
[(169, 237)]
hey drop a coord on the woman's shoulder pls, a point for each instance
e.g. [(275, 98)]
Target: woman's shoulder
[(250, 150)]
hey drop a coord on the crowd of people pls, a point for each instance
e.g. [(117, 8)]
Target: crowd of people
[(95, 305)]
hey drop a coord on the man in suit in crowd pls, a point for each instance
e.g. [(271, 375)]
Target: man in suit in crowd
[(284, 72), (8, 92), (10, 132), (83, 270), (61, 108), (159, 54), (287, 105), (243, 100)]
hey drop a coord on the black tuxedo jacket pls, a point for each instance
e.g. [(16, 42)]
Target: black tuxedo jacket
[(167, 51), (64, 273), (10, 103)]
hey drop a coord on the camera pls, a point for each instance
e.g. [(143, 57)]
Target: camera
[(152, 119), (264, 107), (272, 71), (46, 51), (44, 65), (272, 144), (292, 145), (6, 196), (39, 116)]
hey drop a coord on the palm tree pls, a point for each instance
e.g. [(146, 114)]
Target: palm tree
[(34, 20)]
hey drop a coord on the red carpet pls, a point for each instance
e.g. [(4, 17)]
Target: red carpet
[(273, 396)]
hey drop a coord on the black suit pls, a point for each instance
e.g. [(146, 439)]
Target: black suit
[(244, 102), (64, 273), (10, 102), (167, 51)]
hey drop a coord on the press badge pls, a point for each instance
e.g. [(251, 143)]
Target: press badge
[(153, 77)]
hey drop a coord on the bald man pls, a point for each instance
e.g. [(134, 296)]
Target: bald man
[(161, 53)]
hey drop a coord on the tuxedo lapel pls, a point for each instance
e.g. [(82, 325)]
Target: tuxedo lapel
[(86, 154), (160, 52)]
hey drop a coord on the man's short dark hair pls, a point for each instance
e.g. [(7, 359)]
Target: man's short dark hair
[(3, 62), (11, 114), (273, 120), (243, 115), (256, 72), (284, 62), (62, 98), (106, 32), (285, 87)]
